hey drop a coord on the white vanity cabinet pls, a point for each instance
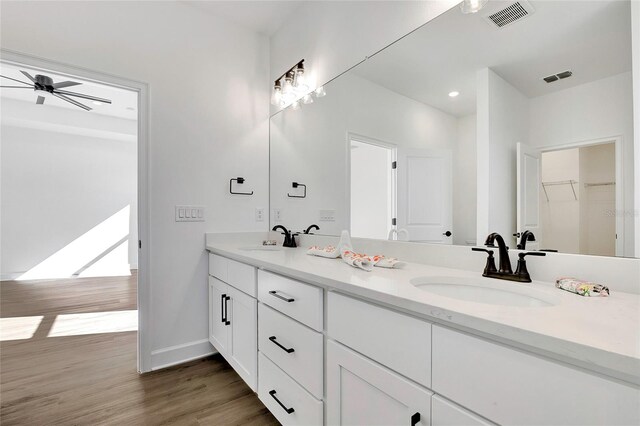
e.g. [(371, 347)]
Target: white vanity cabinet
[(355, 362), (233, 316)]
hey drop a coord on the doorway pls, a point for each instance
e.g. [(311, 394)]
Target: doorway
[(74, 194), (372, 188), (578, 200)]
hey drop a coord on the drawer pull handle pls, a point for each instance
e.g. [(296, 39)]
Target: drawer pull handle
[(415, 419), (287, 350), (222, 319), (273, 395), (226, 310), (286, 299)]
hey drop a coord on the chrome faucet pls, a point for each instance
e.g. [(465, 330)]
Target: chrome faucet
[(505, 272), (289, 237)]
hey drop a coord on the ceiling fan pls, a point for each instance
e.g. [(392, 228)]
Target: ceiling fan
[(45, 87)]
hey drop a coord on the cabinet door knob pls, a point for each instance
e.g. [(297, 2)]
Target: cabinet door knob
[(273, 395), (447, 234), (415, 419)]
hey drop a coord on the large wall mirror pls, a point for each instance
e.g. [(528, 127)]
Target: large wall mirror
[(471, 125)]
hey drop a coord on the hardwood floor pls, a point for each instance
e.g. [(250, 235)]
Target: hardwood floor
[(91, 379)]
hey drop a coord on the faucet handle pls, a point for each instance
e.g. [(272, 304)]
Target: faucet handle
[(490, 267), (531, 253)]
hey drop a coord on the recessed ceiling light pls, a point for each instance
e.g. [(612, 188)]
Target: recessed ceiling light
[(97, 103), (453, 94)]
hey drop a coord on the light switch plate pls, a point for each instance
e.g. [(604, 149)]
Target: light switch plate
[(189, 213), (327, 215)]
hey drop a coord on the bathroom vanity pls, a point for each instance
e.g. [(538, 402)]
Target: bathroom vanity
[(322, 342)]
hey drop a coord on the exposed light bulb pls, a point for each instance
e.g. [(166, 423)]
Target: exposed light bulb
[(307, 99), (300, 82), (288, 94), (453, 94), (472, 6), (276, 97), (320, 92)]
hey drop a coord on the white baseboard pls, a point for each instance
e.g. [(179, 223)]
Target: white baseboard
[(173, 355)]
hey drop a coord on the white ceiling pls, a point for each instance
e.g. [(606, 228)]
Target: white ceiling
[(264, 17), (124, 102), (591, 38)]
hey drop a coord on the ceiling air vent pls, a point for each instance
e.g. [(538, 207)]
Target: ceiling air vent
[(560, 76), (510, 14)]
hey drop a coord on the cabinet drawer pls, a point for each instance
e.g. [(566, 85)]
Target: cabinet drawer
[(218, 267), (236, 274), (302, 302), (445, 413), (398, 341), (298, 407), (295, 348), (508, 386)]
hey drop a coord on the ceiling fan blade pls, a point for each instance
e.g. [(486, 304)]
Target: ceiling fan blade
[(76, 103), (65, 84), (82, 95), (26, 74), (28, 84), (16, 87), (40, 100)]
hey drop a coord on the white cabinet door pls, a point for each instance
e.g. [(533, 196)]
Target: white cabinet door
[(243, 339), (218, 329), (362, 392)]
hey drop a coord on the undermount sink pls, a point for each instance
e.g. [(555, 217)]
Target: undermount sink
[(261, 248), (484, 292)]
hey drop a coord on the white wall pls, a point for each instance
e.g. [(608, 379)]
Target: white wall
[(332, 36), (596, 110), (635, 51), (464, 183), (59, 182), (209, 107), (597, 203), (311, 145), (502, 123)]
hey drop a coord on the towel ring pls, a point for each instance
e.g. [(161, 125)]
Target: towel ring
[(295, 185), (240, 181)]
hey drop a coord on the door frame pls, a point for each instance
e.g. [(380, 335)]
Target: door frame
[(351, 136), (144, 252), (618, 140)]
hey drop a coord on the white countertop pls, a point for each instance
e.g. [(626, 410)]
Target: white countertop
[(600, 333)]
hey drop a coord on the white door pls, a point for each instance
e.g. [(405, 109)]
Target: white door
[(218, 329), (529, 178), (243, 339), (362, 392), (424, 205)]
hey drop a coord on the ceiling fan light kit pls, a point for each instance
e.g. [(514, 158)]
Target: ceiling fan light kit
[(45, 87)]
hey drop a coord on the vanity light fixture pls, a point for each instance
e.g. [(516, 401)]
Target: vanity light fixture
[(453, 94), (293, 88), (472, 6)]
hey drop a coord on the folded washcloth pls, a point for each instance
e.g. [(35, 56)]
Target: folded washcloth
[(350, 257), (583, 288), (329, 251)]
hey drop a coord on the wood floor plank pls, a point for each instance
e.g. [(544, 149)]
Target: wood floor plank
[(91, 379)]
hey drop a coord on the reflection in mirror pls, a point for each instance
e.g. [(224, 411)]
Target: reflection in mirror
[(463, 128)]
